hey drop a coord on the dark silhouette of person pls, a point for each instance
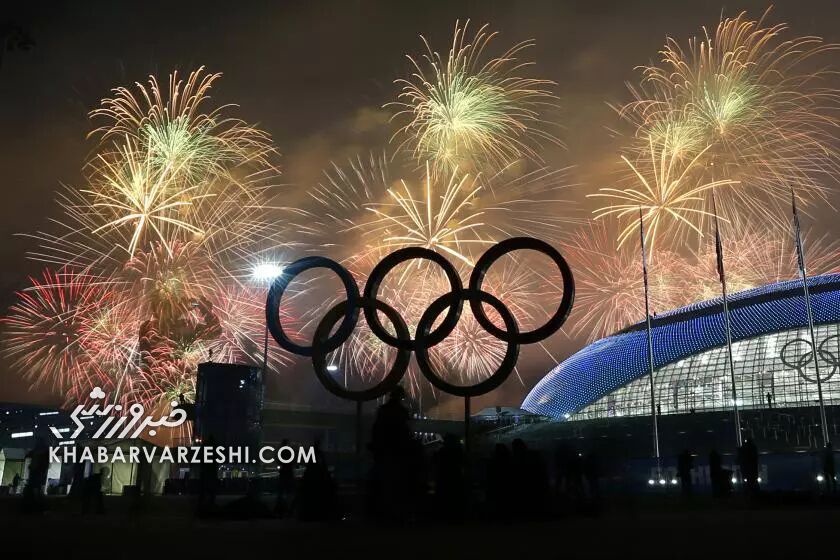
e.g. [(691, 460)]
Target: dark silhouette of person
[(716, 474), (188, 407), (685, 462), (317, 498), (77, 483), (562, 465), (39, 464), (499, 482), (391, 430), (829, 470), (659, 410), (531, 479), (285, 485), (417, 476), (592, 473), (449, 478), (394, 480), (748, 461), (15, 483), (769, 400), (208, 483), (92, 493), (575, 478)]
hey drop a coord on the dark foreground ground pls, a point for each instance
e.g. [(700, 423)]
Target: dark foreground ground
[(658, 528)]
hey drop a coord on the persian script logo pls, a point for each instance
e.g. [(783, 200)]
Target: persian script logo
[(129, 425)]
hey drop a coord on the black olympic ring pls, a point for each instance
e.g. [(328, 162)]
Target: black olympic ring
[(806, 358), (491, 256), (377, 275), (319, 357), (275, 295), (426, 337), (508, 362)]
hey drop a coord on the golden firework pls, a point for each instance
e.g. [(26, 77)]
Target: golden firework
[(748, 99), (669, 190), (468, 113)]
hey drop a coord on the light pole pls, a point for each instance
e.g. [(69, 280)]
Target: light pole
[(265, 273), (653, 406), (803, 272), (727, 325)]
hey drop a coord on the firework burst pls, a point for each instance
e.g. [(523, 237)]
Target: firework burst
[(670, 192), (171, 125), (160, 239), (165, 171), (463, 111), (610, 291), (442, 219), (134, 191), (746, 98), (241, 314), (754, 257), (46, 328), (371, 206), (470, 354)]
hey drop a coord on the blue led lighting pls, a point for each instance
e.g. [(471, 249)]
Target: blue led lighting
[(613, 362)]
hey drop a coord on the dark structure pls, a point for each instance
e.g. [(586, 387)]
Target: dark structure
[(346, 315), (228, 404)]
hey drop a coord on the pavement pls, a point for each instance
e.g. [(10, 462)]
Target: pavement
[(662, 529)]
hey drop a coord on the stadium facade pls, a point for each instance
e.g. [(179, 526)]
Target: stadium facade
[(773, 362)]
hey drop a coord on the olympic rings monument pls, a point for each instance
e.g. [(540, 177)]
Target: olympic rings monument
[(346, 314)]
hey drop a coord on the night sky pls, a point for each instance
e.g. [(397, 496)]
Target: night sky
[(314, 76)]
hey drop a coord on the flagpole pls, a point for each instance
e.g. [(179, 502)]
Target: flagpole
[(653, 414), (727, 324), (800, 254)]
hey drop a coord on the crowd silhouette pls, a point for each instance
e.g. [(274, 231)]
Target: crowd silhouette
[(405, 483)]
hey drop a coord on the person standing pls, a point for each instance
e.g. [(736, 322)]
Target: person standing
[(748, 461), (716, 474), (39, 464), (829, 469), (685, 462)]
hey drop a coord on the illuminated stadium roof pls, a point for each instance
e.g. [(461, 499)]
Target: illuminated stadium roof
[(689, 357)]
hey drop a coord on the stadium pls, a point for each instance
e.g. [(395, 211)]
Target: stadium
[(774, 367)]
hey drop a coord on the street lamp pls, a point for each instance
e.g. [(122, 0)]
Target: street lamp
[(266, 272)]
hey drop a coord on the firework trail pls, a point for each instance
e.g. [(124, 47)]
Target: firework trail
[(608, 280), (755, 256), (669, 190)]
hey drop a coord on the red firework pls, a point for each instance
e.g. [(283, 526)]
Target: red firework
[(45, 330)]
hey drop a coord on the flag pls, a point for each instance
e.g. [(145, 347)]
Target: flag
[(800, 253), (718, 244), (644, 250)]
